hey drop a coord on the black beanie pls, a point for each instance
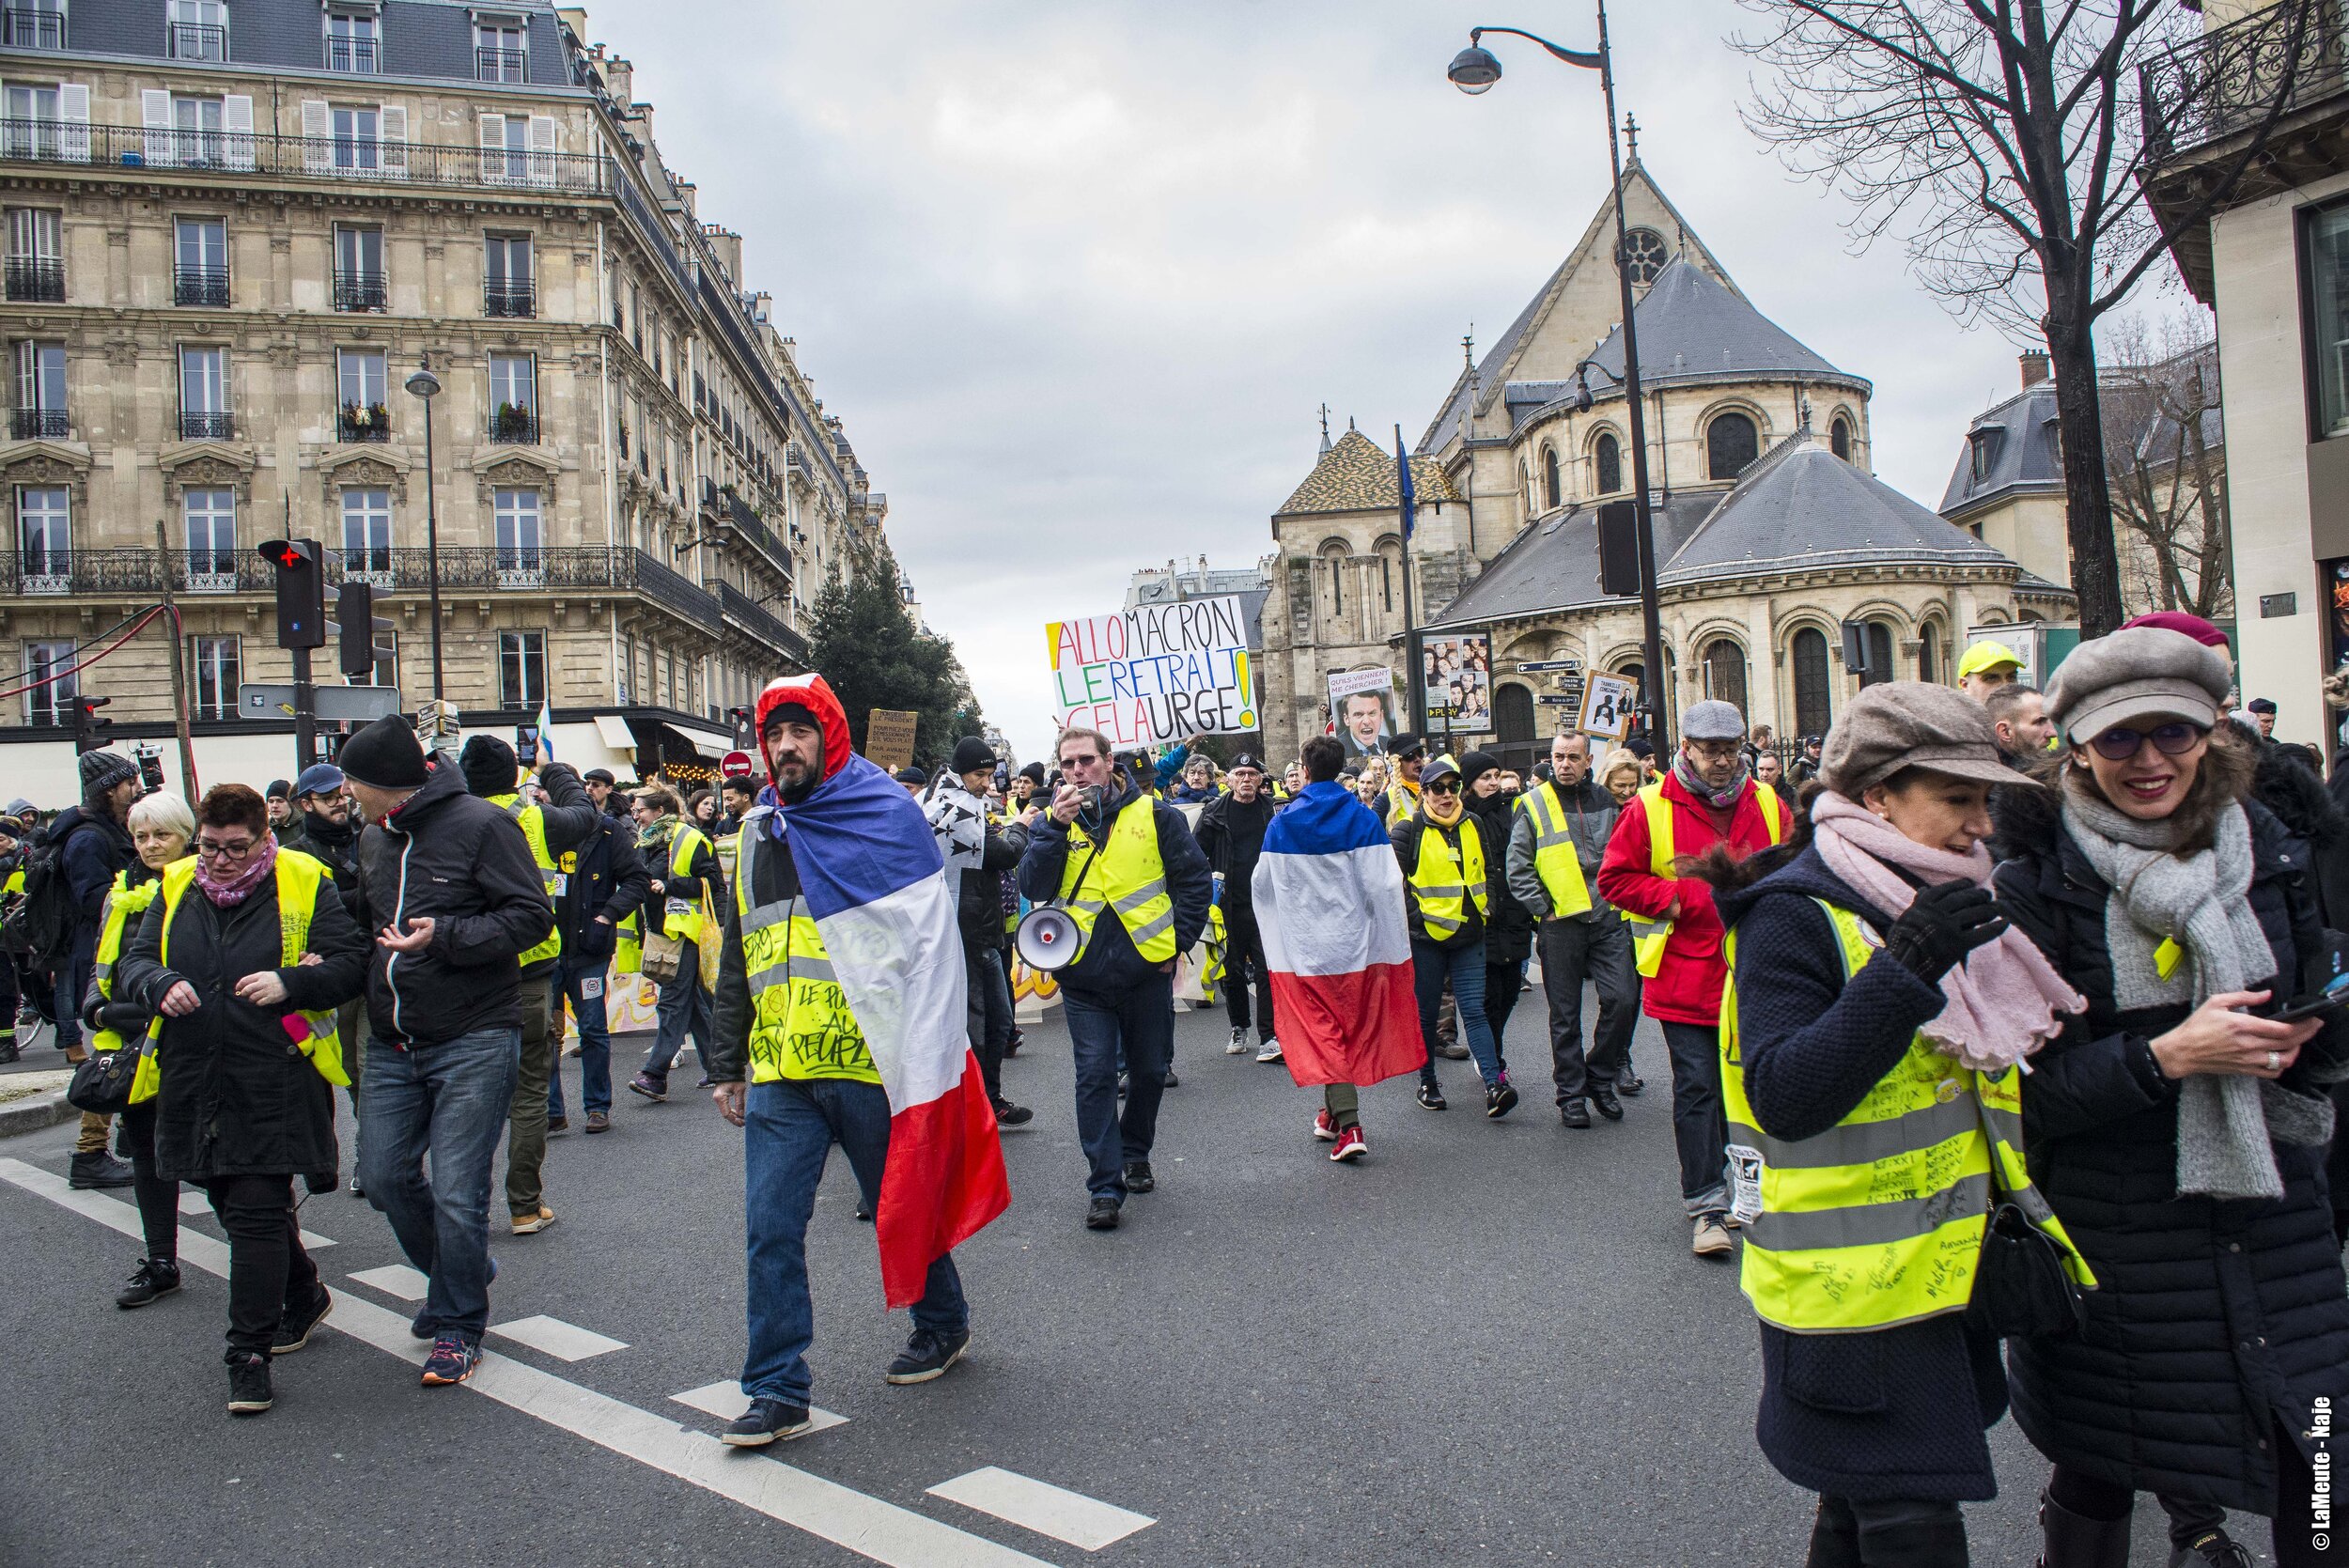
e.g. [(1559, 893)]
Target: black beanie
[(1033, 770), (103, 771), (488, 765), (384, 756), (1475, 765), (971, 755), (788, 713)]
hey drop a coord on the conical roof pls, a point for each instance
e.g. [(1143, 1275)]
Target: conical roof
[(1354, 476)]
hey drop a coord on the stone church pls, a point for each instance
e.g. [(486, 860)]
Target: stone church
[(1770, 529)]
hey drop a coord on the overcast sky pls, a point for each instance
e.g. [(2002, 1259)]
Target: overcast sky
[(1078, 272)]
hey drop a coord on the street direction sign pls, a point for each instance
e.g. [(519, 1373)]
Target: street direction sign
[(1574, 701), (335, 704), (1537, 666), (735, 764)]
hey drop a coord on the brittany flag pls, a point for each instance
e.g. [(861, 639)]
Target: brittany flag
[(1328, 895), (879, 891)]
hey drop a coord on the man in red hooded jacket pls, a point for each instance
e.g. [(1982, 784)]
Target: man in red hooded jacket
[(1707, 798)]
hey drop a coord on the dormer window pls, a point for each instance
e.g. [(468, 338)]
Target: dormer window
[(354, 42), (501, 48), (1982, 453)]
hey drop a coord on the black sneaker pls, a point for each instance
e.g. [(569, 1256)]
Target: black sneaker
[(248, 1386), (1011, 1047), (1430, 1097), (156, 1277), (1010, 1115), (97, 1169), (764, 1422), (1572, 1111), (1500, 1099), (1629, 1082), (1169, 1080), (1603, 1101), (1138, 1177), (926, 1356), (295, 1327), (1102, 1214)]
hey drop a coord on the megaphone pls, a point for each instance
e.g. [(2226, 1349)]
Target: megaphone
[(1047, 939)]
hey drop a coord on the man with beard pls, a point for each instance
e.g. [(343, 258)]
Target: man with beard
[(977, 854), (1231, 835)]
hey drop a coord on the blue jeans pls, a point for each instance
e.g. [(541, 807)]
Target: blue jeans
[(788, 1130), (449, 1101), (1136, 1024), (1465, 966), (684, 1009), (595, 1041)]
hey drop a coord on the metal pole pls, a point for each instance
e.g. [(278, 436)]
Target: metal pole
[(179, 671), (433, 549), (306, 714), (1651, 614)]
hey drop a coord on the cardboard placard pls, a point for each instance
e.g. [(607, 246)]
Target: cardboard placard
[(889, 738)]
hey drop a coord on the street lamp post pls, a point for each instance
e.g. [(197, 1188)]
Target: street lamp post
[(1475, 70), (424, 385)]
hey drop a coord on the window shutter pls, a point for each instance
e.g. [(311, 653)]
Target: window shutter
[(493, 150), (541, 149), (155, 110), (235, 122), (73, 109), (395, 150), (318, 135)]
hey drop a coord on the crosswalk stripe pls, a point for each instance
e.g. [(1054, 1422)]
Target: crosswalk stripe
[(728, 1401), (847, 1519), (565, 1342), (1042, 1507), (396, 1280)]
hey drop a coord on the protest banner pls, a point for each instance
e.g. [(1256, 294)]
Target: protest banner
[(1155, 674), (1362, 709), (889, 737)]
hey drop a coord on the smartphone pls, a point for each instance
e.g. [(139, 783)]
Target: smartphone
[(526, 745), (2334, 995)]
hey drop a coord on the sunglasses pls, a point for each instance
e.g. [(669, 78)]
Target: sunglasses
[(1445, 786), (2176, 738)]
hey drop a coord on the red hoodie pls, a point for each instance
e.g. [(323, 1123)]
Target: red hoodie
[(814, 694)]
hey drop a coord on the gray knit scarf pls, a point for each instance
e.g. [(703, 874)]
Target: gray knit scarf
[(1723, 798), (2225, 1121)]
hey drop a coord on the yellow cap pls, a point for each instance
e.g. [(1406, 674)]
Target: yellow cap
[(1986, 655)]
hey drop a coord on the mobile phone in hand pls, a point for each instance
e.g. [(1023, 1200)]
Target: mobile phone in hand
[(2333, 996)]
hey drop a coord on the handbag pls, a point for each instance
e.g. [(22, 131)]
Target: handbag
[(102, 1083), (2021, 1286), (662, 956)]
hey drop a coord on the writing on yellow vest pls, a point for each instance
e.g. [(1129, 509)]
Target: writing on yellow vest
[(298, 878), (1127, 876), (1648, 936), (124, 904), (1879, 1220), (1555, 861), (1440, 882), (801, 1026), (532, 818)]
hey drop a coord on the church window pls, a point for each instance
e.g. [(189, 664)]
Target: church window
[(1386, 581), (1731, 442), (1879, 654), (1725, 673), (1525, 487), (1643, 255), (1512, 715), (1549, 475), (1839, 438), (1929, 653), (1810, 681), (1607, 457)]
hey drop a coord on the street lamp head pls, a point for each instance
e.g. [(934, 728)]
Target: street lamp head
[(1582, 393), (423, 383), (1475, 70)]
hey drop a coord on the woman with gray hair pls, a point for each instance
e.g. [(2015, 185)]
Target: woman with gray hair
[(2179, 1134)]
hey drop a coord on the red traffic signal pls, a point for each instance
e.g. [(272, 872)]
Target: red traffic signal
[(301, 591)]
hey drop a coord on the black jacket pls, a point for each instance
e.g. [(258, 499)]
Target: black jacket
[(1509, 924), (702, 867), (1404, 836), (1109, 961), (238, 1097), (2217, 1319), (456, 857), (1231, 835), (1900, 1412), (603, 875), (320, 839)]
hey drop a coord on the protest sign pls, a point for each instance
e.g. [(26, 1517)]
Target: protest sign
[(1608, 704), (1155, 674), (1457, 674), (889, 737), (1361, 706)]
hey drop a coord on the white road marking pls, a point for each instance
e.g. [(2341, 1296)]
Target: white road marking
[(193, 1202), (396, 1279), (726, 1401), (1039, 1506), (847, 1519), (565, 1342)]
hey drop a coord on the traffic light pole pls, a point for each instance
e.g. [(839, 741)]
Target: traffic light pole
[(306, 714)]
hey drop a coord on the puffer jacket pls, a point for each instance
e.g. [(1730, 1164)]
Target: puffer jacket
[(2216, 1321)]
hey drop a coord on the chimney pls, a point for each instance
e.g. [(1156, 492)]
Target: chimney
[(618, 76), (2034, 361)]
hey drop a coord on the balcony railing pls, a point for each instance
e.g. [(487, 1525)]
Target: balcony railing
[(359, 290), (744, 520), (29, 27), (220, 570), (38, 423), (198, 40), (207, 426), (38, 570), (501, 65), (200, 286), (38, 279), (371, 422), (337, 159), (509, 299), (513, 427), (359, 57), (760, 622), (2234, 78)]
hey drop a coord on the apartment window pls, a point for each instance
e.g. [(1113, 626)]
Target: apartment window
[(33, 24), (367, 536), (508, 288), (199, 30), (212, 525), (51, 703), (522, 670), (636, 309), (518, 149), (199, 267), (514, 399), (44, 539), (2325, 286), (40, 411), (358, 138), (204, 395), (34, 124), (520, 540), (362, 409), (216, 667), (359, 283), (36, 267), (353, 44), (500, 52)]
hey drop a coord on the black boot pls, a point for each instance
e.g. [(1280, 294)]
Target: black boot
[(1928, 1544), (2073, 1541), (9, 1053), (98, 1169), (1834, 1537)]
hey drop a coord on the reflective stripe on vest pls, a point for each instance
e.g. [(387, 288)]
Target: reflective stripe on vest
[(122, 903), (1127, 876), (1439, 882), (1879, 1220), (1555, 861), (532, 819), (685, 926), (299, 877), (801, 1024), (1648, 936)]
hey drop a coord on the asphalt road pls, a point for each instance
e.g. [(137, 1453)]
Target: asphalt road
[(1487, 1343)]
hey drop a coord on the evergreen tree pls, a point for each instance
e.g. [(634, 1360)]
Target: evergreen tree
[(865, 642)]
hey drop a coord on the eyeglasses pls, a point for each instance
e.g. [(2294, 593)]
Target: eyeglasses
[(214, 851), (1446, 787), (2174, 738)]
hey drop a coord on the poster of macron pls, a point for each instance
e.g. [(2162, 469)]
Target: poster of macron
[(1156, 674)]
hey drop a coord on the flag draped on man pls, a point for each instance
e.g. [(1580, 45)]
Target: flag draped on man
[(1329, 898), (877, 891)]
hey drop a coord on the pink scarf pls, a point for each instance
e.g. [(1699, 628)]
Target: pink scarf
[(237, 889), (2002, 1000)]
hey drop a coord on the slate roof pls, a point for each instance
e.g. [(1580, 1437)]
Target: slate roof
[(1690, 324), (2026, 456), (1554, 564), (1354, 476)]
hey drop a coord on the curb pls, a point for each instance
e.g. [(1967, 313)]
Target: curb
[(34, 1113)]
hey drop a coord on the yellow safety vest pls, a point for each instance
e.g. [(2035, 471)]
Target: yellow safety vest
[(686, 924), (801, 1026), (1402, 799), (1439, 882), (1554, 858), (122, 902), (299, 878), (627, 948), (1879, 1220), (1649, 936), (1127, 877), (532, 818)]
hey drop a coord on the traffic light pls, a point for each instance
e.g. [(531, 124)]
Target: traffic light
[(89, 730), (301, 591), (355, 625), (1619, 548)]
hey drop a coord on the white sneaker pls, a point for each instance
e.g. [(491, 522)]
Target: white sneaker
[(1239, 1043), (1271, 1051)]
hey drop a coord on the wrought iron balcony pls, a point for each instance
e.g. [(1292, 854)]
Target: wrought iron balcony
[(38, 423), (38, 279), (357, 56), (38, 570), (501, 65), (207, 426), (200, 286), (30, 27), (198, 40), (371, 422), (2284, 57), (337, 159), (220, 570), (760, 622), (359, 290), (509, 299), (513, 427)]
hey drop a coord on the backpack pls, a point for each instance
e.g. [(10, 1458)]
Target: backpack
[(39, 925)]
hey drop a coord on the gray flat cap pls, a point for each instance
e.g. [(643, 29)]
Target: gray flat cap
[(1713, 720), (1912, 723), (2141, 672)]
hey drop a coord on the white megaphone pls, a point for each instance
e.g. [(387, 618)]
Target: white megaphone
[(1047, 939)]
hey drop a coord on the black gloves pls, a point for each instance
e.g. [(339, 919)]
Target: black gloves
[(1947, 922)]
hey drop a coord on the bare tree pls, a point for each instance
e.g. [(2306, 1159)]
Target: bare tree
[(2165, 454), (1997, 138)]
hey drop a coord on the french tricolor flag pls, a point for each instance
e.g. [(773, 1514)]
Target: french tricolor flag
[(1329, 898), (879, 891)]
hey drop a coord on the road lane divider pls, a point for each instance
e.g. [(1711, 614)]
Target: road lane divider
[(1042, 1507)]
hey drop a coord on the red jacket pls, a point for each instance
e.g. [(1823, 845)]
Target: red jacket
[(1688, 987)]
